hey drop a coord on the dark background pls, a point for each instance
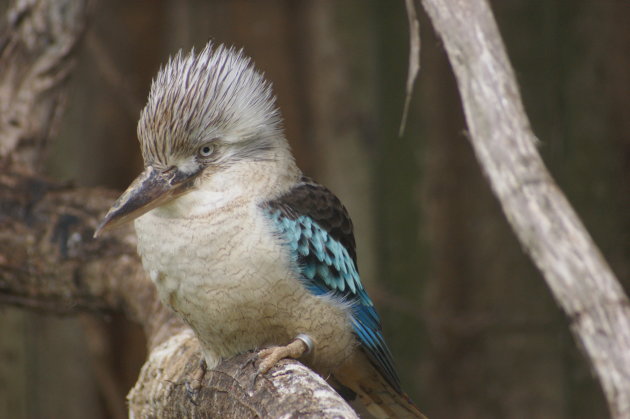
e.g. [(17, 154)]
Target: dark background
[(473, 327)]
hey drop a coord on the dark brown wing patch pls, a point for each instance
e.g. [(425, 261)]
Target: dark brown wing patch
[(316, 201)]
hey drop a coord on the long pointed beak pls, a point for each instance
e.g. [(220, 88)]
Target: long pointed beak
[(149, 190)]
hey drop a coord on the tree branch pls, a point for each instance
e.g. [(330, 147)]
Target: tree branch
[(546, 225), (232, 390), (37, 43)]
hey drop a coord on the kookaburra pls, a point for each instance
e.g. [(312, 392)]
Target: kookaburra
[(248, 251)]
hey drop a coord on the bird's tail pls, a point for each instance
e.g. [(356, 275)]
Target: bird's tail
[(377, 396)]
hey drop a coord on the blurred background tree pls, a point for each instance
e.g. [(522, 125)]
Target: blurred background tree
[(472, 326)]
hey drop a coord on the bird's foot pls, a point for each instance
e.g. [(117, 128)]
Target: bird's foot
[(301, 345), (194, 385)]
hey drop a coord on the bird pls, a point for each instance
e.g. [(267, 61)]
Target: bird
[(247, 250)]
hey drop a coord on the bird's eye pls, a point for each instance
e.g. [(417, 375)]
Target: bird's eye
[(206, 150)]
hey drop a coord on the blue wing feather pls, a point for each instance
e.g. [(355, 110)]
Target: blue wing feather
[(327, 266)]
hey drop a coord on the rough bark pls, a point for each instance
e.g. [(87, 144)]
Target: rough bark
[(50, 263), (37, 50), (546, 225), (37, 46), (232, 390)]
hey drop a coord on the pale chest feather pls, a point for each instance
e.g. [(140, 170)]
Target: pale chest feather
[(229, 249), (231, 278)]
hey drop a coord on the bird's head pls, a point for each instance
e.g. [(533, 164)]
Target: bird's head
[(205, 112)]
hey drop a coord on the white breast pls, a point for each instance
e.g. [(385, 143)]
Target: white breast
[(231, 278)]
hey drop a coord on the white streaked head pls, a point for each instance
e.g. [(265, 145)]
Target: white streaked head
[(214, 99), (208, 116)]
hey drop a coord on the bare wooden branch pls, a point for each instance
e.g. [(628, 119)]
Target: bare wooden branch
[(414, 60), (546, 225), (233, 390), (37, 41), (50, 263)]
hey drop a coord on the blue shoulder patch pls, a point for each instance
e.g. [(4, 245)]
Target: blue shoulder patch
[(326, 267)]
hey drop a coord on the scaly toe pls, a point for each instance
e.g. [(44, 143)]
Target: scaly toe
[(270, 356)]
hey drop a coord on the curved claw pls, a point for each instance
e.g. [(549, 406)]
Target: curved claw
[(194, 384)]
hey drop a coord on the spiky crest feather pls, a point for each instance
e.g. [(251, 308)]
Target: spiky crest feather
[(196, 98)]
